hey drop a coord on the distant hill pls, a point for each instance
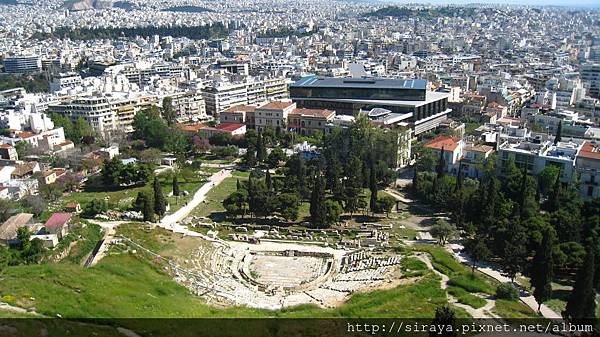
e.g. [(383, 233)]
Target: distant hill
[(403, 12), (81, 5), (8, 2)]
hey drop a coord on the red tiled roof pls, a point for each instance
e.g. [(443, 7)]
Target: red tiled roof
[(447, 143), (26, 134), (191, 128), (229, 126), (589, 150), (241, 107), (58, 220), (323, 113), (277, 105), (6, 146)]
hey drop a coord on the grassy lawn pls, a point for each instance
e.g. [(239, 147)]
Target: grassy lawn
[(459, 274), (214, 198), (513, 309), (90, 235), (465, 297), (123, 199)]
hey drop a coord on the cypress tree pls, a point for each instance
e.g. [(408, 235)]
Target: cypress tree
[(441, 166), (558, 136), (373, 187), (147, 207), (261, 149), (582, 301), (318, 212), (238, 185), (415, 180), (268, 181), (542, 269), (444, 317), (175, 186), (160, 204)]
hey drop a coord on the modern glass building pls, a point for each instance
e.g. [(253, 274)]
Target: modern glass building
[(423, 109)]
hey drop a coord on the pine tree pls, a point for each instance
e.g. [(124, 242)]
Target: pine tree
[(582, 301), (558, 136), (318, 211), (175, 186), (160, 204), (542, 269)]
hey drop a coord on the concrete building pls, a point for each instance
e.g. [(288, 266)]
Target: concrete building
[(273, 115), (452, 148), (220, 96), (588, 167), (590, 75), (310, 121), (106, 113)]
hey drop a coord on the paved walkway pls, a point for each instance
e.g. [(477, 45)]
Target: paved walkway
[(170, 222)]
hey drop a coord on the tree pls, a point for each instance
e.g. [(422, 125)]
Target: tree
[(542, 269), (373, 204), (442, 230), (160, 204), (386, 204), (440, 168), (333, 210), (23, 148), (250, 157), (478, 251), (268, 180), (168, 111), (514, 254), (318, 210), (147, 206), (95, 207), (236, 203), (582, 301), (558, 136), (275, 157), (150, 156), (261, 148), (175, 185), (6, 208), (547, 178), (23, 236), (445, 318), (288, 205)]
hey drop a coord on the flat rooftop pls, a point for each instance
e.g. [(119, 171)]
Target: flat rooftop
[(369, 82)]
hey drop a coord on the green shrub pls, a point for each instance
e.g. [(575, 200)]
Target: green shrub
[(507, 291), (8, 299)]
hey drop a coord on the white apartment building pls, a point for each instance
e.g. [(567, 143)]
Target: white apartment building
[(189, 105), (220, 96), (106, 113)]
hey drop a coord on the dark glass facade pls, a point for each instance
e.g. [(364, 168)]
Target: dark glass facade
[(395, 94)]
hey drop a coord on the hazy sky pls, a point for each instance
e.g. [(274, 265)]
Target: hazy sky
[(571, 3)]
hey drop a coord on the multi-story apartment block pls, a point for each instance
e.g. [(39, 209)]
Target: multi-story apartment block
[(220, 96), (189, 105), (106, 113), (590, 75)]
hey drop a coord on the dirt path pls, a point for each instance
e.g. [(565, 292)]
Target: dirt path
[(483, 312)]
